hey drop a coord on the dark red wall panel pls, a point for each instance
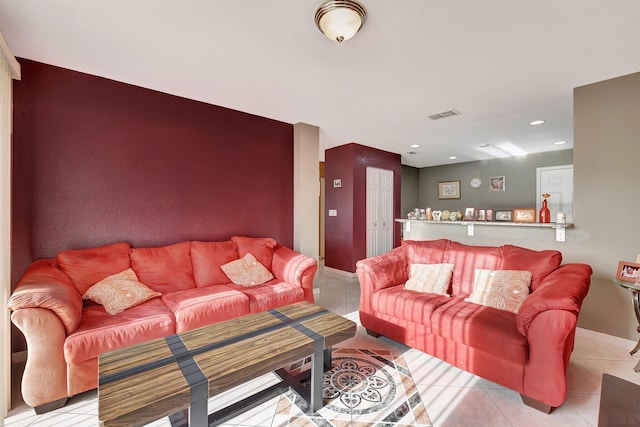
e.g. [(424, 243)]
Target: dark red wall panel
[(346, 237), (98, 161)]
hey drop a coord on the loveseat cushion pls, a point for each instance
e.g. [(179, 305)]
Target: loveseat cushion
[(260, 247), (484, 328), (424, 251), (194, 308), (406, 304), (88, 266), (100, 332), (164, 269), (466, 259), (272, 294), (539, 263), (208, 257)]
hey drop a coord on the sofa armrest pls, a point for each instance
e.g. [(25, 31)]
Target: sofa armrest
[(45, 286), (388, 269), (295, 268), (564, 289)]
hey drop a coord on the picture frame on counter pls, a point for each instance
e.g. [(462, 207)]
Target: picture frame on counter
[(524, 215), (469, 214), (628, 272), (481, 214), (489, 215), (502, 215)]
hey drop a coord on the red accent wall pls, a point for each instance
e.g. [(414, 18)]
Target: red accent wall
[(97, 161), (345, 234)]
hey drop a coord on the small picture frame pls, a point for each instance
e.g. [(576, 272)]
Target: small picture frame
[(489, 214), (481, 214), (449, 190), (503, 215), (469, 214), (524, 215), (496, 183), (628, 272)]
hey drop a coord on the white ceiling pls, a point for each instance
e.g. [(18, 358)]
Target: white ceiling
[(501, 63)]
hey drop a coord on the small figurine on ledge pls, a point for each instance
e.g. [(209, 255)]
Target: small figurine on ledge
[(545, 214)]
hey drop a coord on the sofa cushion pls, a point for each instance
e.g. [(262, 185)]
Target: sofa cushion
[(206, 259), (539, 263), (194, 308), (501, 289), (406, 304), (485, 328), (120, 291), (164, 269), (466, 259), (424, 251), (260, 247), (247, 271), (88, 266), (270, 295), (431, 278), (100, 332)]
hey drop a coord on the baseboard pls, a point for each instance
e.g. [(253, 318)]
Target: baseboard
[(339, 272), (19, 357)]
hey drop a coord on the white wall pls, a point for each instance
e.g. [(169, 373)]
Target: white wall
[(306, 189)]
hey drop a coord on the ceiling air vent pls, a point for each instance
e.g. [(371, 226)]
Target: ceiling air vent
[(444, 114)]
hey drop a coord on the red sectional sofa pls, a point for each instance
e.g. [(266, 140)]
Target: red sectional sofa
[(527, 352), (65, 334)]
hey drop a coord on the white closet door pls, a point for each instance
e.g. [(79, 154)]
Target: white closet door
[(557, 181), (379, 211)]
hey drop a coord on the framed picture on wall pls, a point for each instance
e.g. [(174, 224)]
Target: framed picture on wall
[(449, 190), (496, 183), (628, 272)]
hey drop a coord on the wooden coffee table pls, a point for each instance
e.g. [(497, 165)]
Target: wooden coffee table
[(174, 376)]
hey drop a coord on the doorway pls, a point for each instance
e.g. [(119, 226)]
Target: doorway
[(379, 211)]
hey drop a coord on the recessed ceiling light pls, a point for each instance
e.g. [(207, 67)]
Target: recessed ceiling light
[(559, 142), (415, 145), (452, 157), (536, 122)]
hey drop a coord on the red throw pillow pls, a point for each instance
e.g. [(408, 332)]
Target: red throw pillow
[(88, 266), (164, 269), (208, 257), (260, 247), (539, 263)]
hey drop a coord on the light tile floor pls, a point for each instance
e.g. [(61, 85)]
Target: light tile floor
[(452, 397)]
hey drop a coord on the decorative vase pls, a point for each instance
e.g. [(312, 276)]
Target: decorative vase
[(545, 214)]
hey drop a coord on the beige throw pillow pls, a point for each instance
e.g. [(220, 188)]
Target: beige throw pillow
[(120, 291), (430, 278), (501, 289), (247, 271)]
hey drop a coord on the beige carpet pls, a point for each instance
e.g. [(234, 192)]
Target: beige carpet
[(363, 388)]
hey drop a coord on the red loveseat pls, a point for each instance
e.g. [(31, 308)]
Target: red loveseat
[(527, 352), (65, 334)]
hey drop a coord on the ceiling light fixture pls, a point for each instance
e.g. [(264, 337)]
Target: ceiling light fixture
[(452, 157), (536, 122), (415, 145), (559, 142), (340, 20)]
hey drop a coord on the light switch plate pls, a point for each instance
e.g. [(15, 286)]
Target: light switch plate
[(333, 212)]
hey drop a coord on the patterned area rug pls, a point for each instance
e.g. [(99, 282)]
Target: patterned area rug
[(362, 388)]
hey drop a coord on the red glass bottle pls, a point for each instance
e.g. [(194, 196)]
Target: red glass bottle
[(545, 214)]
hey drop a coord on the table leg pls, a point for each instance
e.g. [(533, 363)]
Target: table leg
[(636, 308), (317, 365)]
